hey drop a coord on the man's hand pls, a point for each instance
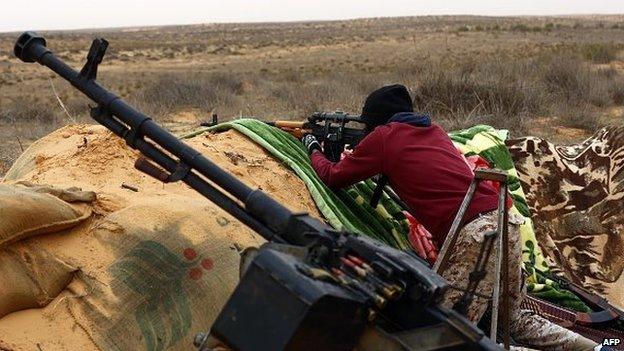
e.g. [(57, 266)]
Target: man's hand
[(310, 143)]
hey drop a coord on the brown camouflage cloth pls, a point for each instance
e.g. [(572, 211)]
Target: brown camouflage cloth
[(526, 328), (575, 194)]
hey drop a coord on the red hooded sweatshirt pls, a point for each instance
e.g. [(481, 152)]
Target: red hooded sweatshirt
[(423, 167)]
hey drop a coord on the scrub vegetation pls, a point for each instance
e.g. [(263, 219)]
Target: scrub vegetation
[(556, 77)]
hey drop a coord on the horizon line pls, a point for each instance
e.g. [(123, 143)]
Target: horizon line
[(153, 26)]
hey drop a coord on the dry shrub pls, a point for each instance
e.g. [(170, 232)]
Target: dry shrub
[(27, 110), (305, 97), (172, 92), (617, 91), (573, 80), (498, 90), (473, 92), (309, 94), (30, 119), (21, 122), (600, 52), (577, 90), (507, 93), (9, 154), (566, 77), (581, 116)]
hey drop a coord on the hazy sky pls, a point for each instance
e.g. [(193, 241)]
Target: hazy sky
[(17, 15)]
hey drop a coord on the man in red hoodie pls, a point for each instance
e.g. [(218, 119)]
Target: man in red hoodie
[(430, 175)]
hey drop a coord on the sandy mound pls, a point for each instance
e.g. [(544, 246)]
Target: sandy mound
[(99, 305), (91, 157)]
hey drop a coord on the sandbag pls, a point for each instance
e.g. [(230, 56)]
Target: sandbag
[(147, 277), (26, 211), (105, 162), (30, 277), (173, 266)]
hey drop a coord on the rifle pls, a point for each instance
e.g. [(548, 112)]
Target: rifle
[(329, 128), (311, 287)]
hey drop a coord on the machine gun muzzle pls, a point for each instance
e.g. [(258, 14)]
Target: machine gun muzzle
[(30, 47)]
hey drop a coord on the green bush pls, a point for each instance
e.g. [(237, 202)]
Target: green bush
[(520, 28)]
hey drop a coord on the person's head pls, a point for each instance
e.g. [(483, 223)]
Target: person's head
[(383, 103)]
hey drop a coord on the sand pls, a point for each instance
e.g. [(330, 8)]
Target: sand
[(103, 163)]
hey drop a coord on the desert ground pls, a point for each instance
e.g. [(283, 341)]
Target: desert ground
[(555, 77)]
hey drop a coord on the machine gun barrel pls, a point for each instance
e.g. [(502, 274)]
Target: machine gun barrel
[(140, 131)]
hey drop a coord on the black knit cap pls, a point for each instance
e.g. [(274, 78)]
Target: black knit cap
[(384, 103)]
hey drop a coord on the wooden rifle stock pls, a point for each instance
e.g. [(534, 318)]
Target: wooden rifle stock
[(295, 128)]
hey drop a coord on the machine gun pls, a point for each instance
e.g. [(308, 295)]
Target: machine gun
[(310, 287), (329, 128)]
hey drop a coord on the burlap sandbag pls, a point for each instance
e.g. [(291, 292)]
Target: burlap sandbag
[(27, 209), (175, 261), (30, 277)]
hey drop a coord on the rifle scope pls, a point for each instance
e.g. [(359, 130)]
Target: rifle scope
[(338, 116)]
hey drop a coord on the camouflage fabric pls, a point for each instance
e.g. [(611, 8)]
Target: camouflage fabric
[(526, 328), (575, 195)]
